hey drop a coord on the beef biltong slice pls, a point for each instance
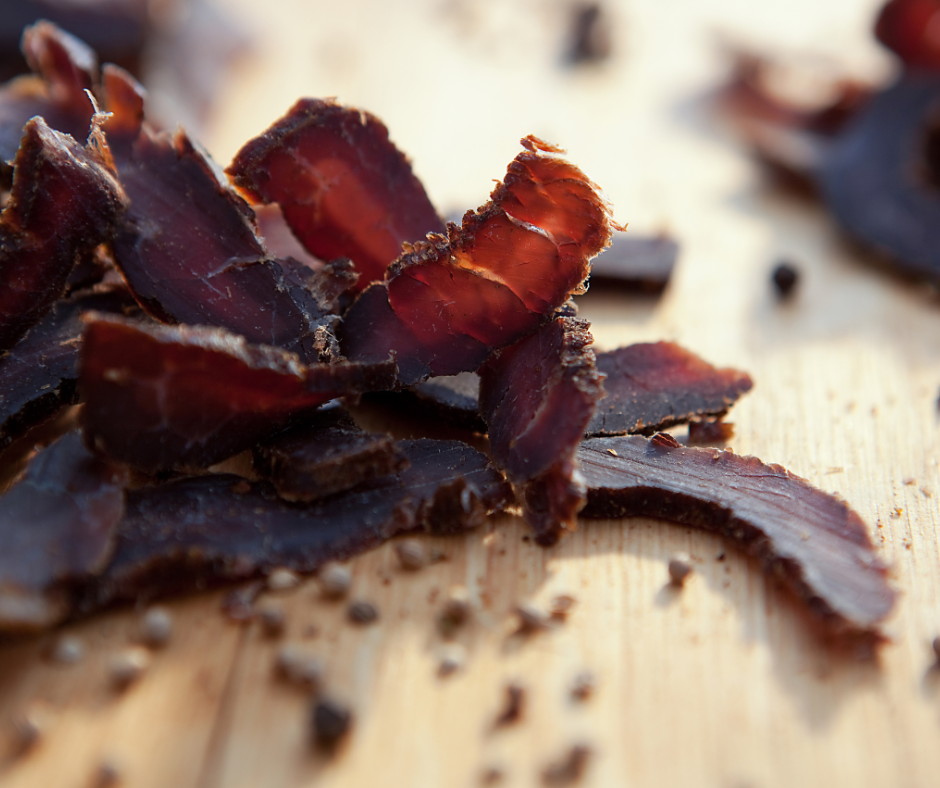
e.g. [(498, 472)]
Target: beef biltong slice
[(326, 454), (815, 542), (448, 302), (64, 69), (63, 204), (635, 264), (653, 386), (57, 526), (197, 531), (39, 375), (537, 397), (161, 397), (343, 186)]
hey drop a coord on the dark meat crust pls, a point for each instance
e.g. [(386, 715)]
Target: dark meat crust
[(63, 204), (198, 531), (537, 396), (450, 301), (635, 264), (326, 454), (343, 186), (57, 526), (160, 397), (878, 179), (65, 68), (39, 375), (814, 541), (653, 386), (188, 248)]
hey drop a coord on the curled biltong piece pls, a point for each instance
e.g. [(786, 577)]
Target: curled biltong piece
[(161, 397), (64, 69), (189, 249), (450, 301), (635, 264), (814, 541), (653, 386), (326, 454), (343, 186), (39, 375), (882, 177), (64, 203), (537, 397), (188, 533), (57, 527)]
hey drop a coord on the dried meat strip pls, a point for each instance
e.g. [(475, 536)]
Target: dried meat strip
[(343, 186), (57, 526), (64, 203), (450, 301), (64, 69), (537, 397), (635, 264), (185, 534), (881, 177), (326, 454), (161, 397), (814, 541), (653, 386), (39, 375)]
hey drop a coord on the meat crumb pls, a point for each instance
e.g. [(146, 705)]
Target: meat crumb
[(362, 613), (561, 607), (331, 722), (335, 581), (156, 627), (411, 554), (515, 705), (570, 770), (680, 568), (282, 580), (785, 278), (297, 666), (456, 611)]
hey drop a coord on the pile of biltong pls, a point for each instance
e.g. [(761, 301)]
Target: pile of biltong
[(136, 283)]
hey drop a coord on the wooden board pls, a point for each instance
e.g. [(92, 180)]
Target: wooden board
[(722, 684)]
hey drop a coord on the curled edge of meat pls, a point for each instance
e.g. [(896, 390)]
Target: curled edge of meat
[(813, 541)]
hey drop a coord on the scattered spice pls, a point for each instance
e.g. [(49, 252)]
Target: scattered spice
[(515, 705), (282, 580), (680, 568), (561, 607), (571, 769), (67, 650), (273, 621), (411, 554), (335, 581), (456, 611), (331, 722), (127, 666), (453, 657), (583, 686), (785, 277), (156, 627), (297, 666), (362, 613)]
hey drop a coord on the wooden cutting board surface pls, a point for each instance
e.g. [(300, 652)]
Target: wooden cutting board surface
[(723, 684)]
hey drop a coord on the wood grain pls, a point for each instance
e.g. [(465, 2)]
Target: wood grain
[(723, 684)]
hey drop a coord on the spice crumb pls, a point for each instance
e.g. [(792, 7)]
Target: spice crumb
[(273, 621), (128, 665), (456, 611), (67, 650), (561, 607), (156, 627), (282, 580), (298, 666), (335, 581), (411, 554), (680, 568), (361, 612), (453, 657), (515, 704), (785, 278), (583, 686), (331, 723), (570, 770), (531, 619)]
